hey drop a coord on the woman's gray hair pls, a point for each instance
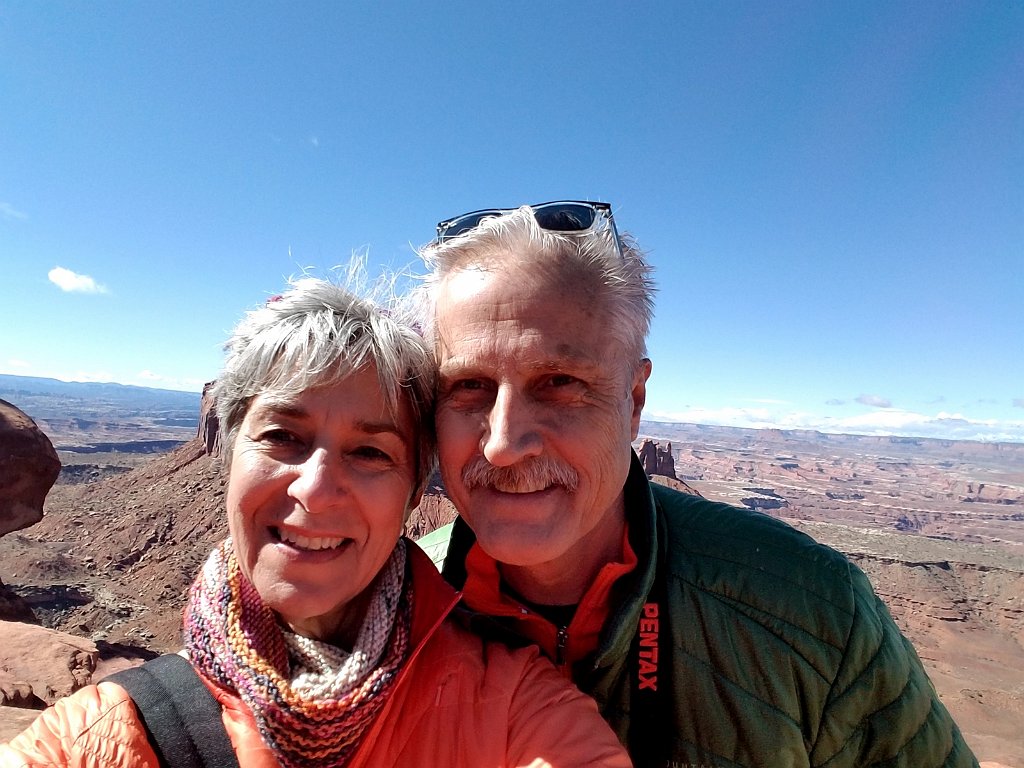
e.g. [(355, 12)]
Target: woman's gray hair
[(620, 282), (317, 333)]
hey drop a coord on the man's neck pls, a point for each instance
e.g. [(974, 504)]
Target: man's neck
[(565, 580)]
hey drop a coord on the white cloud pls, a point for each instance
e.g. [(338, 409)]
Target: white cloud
[(72, 282), (315, 141), (945, 426), (8, 211), (22, 365), (874, 401), (147, 378), (100, 377)]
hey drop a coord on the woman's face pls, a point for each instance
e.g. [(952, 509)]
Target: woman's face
[(318, 488)]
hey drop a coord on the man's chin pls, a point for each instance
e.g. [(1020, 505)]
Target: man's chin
[(519, 544)]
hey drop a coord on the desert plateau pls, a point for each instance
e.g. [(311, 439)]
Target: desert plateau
[(938, 526)]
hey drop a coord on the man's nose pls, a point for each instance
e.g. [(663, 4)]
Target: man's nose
[(318, 484), (512, 432)]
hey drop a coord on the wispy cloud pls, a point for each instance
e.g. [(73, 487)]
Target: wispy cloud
[(891, 421), (1018, 402), (874, 401), (315, 141), (835, 402), (72, 282), (149, 378), (8, 211), (17, 365)]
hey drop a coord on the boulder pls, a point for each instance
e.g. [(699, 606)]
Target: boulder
[(39, 665), (28, 469)]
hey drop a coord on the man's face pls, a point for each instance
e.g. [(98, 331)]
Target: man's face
[(535, 416)]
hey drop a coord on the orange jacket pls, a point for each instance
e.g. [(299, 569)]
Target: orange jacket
[(459, 701)]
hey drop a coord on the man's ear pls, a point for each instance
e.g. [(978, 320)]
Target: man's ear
[(638, 394)]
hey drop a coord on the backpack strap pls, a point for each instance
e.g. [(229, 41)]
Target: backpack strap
[(181, 717)]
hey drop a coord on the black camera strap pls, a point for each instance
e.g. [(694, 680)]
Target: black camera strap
[(650, 729)]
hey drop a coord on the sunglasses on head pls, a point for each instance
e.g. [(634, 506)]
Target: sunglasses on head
[(567, 216)]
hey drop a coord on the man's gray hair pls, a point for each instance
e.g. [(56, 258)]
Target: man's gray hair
[(513, 243), (317, 333)]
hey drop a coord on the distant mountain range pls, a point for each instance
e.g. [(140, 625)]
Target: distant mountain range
[(100, 416), (110, 393)]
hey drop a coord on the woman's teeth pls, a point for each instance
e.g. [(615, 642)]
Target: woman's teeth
[(313, 544)]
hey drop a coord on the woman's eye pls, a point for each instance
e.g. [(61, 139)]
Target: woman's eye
[(277, 436), (372, 452)]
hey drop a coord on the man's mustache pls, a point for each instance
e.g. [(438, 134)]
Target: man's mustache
[(525, 477)]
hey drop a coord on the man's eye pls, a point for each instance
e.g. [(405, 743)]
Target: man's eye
[(464, 388), (561, 380)]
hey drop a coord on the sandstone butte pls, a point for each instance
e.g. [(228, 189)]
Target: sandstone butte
[(106, 570)]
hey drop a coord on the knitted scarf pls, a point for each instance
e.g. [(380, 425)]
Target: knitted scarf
[(312, 701)]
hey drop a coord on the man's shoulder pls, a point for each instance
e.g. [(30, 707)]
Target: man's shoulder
[(708, 537), (695, 518)]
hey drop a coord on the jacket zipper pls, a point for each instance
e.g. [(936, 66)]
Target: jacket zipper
[(562, 641)]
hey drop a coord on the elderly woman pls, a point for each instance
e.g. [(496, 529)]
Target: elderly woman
[(323, 634)]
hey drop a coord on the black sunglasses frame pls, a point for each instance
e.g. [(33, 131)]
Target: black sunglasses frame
[(458, 225)]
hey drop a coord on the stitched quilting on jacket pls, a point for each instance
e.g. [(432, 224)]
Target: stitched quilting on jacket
[(459, 701), (773, 650)]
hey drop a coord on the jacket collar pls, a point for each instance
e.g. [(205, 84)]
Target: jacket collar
[(630, 594), (434, 598)]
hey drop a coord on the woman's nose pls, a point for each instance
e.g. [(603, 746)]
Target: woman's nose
[(318, 483)]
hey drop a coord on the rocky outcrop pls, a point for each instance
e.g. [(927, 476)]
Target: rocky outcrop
[(14, 608), (209, 424), (676, 485), (28, 469), (435, 510), (48, 664), (657, 460)]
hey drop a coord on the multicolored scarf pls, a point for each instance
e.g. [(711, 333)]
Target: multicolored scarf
[(312, 701)]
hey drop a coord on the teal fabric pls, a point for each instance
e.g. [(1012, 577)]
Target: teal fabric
[(777, 650), (435, 544)]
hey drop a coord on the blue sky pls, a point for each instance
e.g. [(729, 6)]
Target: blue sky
[(832, 194)]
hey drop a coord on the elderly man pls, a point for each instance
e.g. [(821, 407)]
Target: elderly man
[(709, 635)]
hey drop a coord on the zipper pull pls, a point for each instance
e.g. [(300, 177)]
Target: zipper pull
[(563, 640)]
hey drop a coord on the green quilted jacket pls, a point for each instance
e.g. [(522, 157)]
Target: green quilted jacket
[(771, 650)]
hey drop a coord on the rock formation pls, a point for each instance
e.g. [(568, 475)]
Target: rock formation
[(657, 460), (209, 424), (28, 469), (49, 664)]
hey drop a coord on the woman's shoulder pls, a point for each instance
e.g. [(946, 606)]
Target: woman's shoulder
[(96, 725)]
